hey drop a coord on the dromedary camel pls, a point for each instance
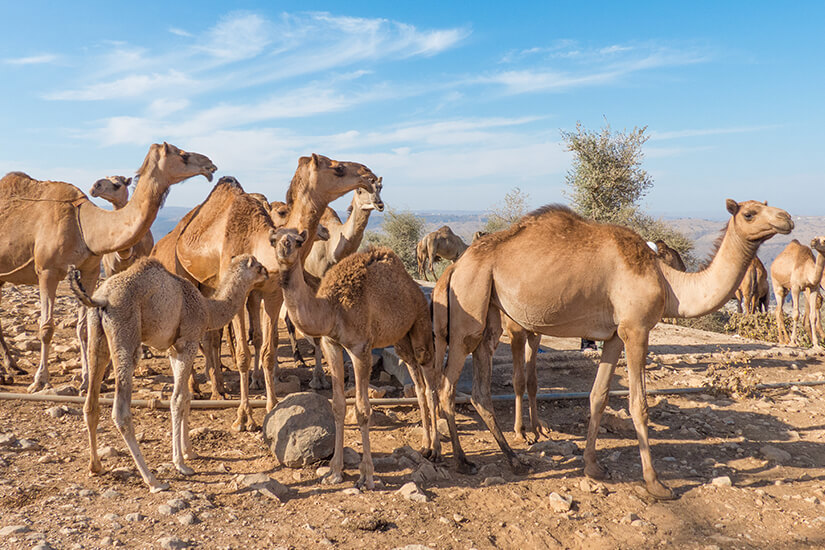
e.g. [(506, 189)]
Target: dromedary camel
[(556, 273), (669, 256), (753, 290), (47, 226), (147, 304), (115, 189), (795, 270), (344, 239), (365, 301), (229, 223), (441, 243)]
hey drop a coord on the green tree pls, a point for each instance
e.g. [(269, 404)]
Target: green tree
[(503, 215), (607, 182), (401, 232)]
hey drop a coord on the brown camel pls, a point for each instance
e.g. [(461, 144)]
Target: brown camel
[(441, 243), (753, 290), (365, 301), (669, 256), (115, 189), (795, 270), (556, 273), (50, 225), (229, 223), (147, 304)]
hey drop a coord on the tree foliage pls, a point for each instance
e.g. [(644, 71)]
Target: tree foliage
[(401, 232), (504, 215)]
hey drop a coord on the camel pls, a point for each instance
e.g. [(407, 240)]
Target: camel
[(669, 256), (147, 304), (441, 243), (753, 290), (49, 225), (794, 270), (115, 189), (365, 301), (229, 223), (555, 273), (344, 239)]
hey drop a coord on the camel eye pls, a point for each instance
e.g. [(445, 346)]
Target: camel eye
[(185, 157), (339, 171), (748, 216)]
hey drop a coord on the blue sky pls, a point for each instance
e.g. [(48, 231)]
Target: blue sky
[(454, 104)]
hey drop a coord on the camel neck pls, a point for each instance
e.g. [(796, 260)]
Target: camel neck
[(819, 267), (352, 233), (111, 230), (227, 300), (696, 294), (309, 313)]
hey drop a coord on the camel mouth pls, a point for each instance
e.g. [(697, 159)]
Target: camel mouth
[(785, 228)]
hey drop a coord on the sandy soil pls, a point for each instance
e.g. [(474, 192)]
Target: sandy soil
[(775, 500)]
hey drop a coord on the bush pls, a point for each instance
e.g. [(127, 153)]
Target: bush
[(503, 216), (401, 232)]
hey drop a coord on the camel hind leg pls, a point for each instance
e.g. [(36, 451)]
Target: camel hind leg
[(517, 341), (424, 394), (98, 351), (335, 357), (782, 335), (599, 394), (181, 357), (794, 315), (7, 363), (362, 365), (537, 427)]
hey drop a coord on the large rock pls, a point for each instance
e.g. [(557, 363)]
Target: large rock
[(300, 430)]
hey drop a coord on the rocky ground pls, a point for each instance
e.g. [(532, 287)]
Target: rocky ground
[(749, 469)]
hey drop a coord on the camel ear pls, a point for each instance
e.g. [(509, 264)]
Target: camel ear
[(128, 182), (301, 238), (765, 203), (165, 148), (315, 159), (732, 206)]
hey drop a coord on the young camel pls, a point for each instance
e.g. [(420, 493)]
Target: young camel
[(50, 225), (365, 301), (147, 304), (753, 290), (795, 270), (115, 189), (582, 279), (441, 243)]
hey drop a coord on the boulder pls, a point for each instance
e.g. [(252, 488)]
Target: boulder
[(300, 430)]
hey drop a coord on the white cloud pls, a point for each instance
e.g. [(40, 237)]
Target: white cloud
[(165, 106), (31, 60), (238, 36), (180, 32), (133, 86)]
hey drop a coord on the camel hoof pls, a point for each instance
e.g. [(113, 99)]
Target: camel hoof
[(158, 487), (426, 452), (237, 426), (95, 468), (364, 483), (191, 455), (467, 467), (37, 386), (659, 491), (332, 478), (217, 396), (595, 471), (256, 384), (185, 470)]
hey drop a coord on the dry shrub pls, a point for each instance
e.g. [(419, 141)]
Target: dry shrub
[(732, 376), (712, 322), (762, 326)]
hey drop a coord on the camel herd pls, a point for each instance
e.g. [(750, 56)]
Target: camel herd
[(240, 261)]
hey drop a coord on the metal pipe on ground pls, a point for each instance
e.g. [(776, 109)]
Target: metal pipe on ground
[(381, 402)]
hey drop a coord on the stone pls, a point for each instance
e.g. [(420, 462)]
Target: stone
[(776, 454), (292, 384), (122, 473), (721, 481), (8, 441), (630, 518), (28, 444), (559, 503), (188, 518), (172, 543), (410, 491), (134, 516), (425, 472), (165, 510), (14, 530), (351, 458), (563, 448), (265, 485), (110, 493), (493, 480), (107, 452), (300, 430), (177, 505)]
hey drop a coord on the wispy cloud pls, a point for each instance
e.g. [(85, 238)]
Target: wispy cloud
[(133, 86), (180, 32), (31, 60)]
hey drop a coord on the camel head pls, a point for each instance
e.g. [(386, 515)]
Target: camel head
[(478, 234), (332, 178), (758, 222), (114, 189), (249, 269), (322, 233), (818, 244), (287, 243), (176, 164), (279, 212), (368, 200)]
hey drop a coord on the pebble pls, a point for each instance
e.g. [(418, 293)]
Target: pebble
[(351, 458), (110, 493), (629, 518), (134, 516), (107, 452), (42, 545), (350, 491), (425, 472), (165, 510), (410, 491), (14, 530), (721, 481), (177, 504), (172, 543), (559, 503), (188, 518), (122, 473), (493, 480), (776, 454)]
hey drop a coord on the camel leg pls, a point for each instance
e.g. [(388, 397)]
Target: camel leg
[(812, 316), (89, 281), (599, 394), (335, 357), (446, 398), (782, 334), (362, 366), (7, 362), (481, 398), (244, 422), (403, 348), (636, 344), (517, 342), (269, 353), (817, 308), (293, 342), (48, 279), (794, 314), (98, 361), (211, 347), (538, 427), (181, 357), (319, 379), (253, 309), (432, 259)]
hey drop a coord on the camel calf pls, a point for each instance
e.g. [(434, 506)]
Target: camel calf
[(147, 304)]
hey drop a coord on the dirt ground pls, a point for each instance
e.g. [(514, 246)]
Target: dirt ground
[(770, 444)]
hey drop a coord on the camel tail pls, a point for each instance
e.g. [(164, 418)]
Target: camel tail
[(80, 292)]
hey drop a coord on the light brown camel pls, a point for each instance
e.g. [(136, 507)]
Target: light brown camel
[(794, 270), (49, 225), (669, 255), (556, 273), (344, 239), (366, 301), (115, 189), (147, 304), (441, 243), (753, 290), (229, 223)]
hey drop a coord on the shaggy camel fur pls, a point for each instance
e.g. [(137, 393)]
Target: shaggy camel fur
[(365, 301), (669, 256), (54, 224), (147, 304), (229, 223), (795, 270), (753, 290), (441, 243), (556, 273), (115, 189)]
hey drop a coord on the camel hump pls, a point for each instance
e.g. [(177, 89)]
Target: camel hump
[(346, 280), (20, 184)]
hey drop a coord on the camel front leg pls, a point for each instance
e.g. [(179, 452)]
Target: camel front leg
[(794, 315), (181, 357), (293, 342), (89, 281), (812, 315), (636, 344), (537, 427), (517, 342), (362, 366), (779, 293), (319, 379), (269, 352), (599, 395), (256, 338), (335, 357), (98, 360), (403, 348), (48, 279)]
